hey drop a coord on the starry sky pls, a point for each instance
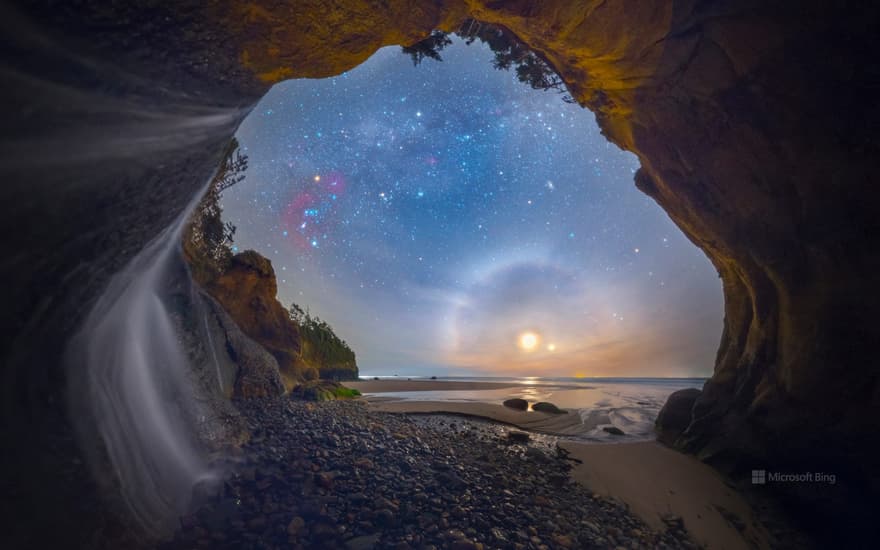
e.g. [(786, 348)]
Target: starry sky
[(446, 219)]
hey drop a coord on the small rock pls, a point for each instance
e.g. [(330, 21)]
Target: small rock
[(517, 403), (613, 430), (518, 437), (545, 407), (365, 542), (295, 526), (564, 541), (557, 480)]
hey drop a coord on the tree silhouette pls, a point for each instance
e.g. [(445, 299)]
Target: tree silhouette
[(208, 239), (429, 47), (321, 345), (510, 53)]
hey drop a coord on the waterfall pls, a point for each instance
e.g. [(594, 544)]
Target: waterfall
[(130, 378), (213, 349)]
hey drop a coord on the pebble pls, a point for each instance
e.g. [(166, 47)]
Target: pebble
[(338, 475)]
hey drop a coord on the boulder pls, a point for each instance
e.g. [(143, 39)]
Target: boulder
[(545, 407), (517, 403), (676, 415)]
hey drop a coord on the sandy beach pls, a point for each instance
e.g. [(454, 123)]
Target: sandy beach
[(552, 424), (657, 484)]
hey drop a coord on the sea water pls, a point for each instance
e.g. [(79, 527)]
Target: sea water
[(630, 404)]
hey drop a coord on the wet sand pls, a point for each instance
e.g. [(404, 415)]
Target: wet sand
[(655, 481), (553, 424)]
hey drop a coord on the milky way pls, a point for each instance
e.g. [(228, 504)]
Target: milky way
[(436, 214)]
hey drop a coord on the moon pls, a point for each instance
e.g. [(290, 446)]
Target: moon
[(528, 341)]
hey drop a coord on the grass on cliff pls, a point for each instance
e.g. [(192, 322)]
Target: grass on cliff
[(323, 390), (346, 393)]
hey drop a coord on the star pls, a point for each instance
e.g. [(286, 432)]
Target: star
[(465, 225)]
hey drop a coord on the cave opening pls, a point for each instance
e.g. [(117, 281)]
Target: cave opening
[(433, 212), (753, 125)]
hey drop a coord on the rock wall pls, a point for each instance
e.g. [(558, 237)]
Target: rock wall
[(755, 123), (247, 290)]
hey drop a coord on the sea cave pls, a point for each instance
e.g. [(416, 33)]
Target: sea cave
[(158, 394)]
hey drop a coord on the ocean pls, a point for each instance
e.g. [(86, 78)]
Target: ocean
[(630, 404)]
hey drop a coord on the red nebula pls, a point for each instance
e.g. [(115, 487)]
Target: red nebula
[(310, 214)]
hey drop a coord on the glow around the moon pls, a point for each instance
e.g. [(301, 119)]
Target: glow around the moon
[(528, 341)]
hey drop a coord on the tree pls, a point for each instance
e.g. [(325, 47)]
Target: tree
[(297, 315), (509, 51), (208, 239), (429, 47), (321, 345)]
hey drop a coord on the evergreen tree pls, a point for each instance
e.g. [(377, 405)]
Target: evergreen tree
[(510, 53)]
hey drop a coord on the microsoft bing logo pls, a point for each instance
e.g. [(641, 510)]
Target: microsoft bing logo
[(759, 477)]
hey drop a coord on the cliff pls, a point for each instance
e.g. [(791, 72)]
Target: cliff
[(246, 288)]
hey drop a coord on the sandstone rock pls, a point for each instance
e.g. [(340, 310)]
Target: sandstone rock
[(518, 404), (545, 407), (247, 291), (257, 373), (676, 415)]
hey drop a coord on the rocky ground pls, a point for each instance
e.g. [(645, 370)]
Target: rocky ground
[(337, 475)]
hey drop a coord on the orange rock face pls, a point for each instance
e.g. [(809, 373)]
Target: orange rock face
[(247, 290)]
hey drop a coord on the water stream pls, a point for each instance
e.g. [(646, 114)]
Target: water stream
[(135, 387)]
